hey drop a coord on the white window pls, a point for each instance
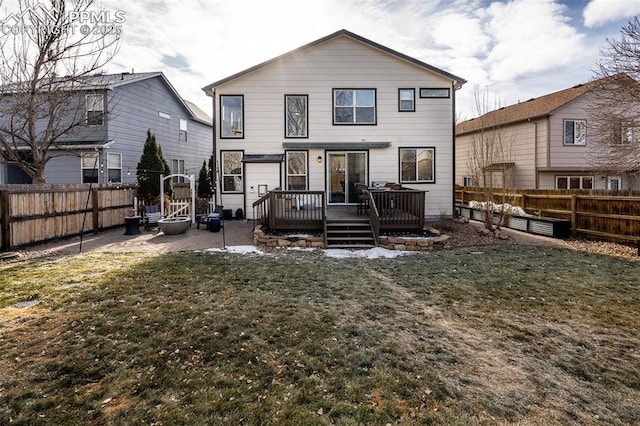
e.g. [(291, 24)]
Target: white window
[(623, 135), (114, 167), (467, 181), (232, 179), (90, 167), (232, 116), (297, 170), (95, 109), (575, 132), (406, 99), (177, 167), (296, 118), (417, 165), (574, 182), (354, 106), (614, 183), (183, 130)]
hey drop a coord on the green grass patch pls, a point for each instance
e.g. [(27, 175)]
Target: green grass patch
[(512, 334)]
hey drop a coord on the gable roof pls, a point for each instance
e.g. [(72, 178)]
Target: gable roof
[(533, 108), (458, 81)]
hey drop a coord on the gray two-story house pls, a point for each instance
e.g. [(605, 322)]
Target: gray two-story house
[(119, 109)]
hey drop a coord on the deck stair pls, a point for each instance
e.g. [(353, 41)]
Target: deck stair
[(352, 233)]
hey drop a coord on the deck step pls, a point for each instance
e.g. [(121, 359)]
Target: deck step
[(350, 234)]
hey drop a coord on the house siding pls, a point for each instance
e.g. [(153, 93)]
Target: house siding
[(136, 108), (568, 156), (345, 63)]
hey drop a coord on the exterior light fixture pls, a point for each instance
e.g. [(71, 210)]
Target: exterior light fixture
[(319, 159)]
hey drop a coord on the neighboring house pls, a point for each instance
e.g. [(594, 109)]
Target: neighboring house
[(119, 109), (550, 139), (335, 112)]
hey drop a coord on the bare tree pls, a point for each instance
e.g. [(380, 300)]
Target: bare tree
[(490, 161), (614, 107), (46, 54)]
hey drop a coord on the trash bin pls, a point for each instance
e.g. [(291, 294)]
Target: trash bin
[(214, 224)]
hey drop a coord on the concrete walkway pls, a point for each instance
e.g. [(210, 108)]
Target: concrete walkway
[(234, 233)]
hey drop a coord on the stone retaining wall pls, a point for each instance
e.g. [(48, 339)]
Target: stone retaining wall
[(317, 241)]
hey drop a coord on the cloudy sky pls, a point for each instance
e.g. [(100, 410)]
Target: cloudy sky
[(514, 49)]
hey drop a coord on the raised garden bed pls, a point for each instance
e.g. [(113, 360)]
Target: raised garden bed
[(547, 226)]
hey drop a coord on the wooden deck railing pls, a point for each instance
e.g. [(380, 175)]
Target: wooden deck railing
[(374, 218), (291, 210), (307, 211), (400, 209)]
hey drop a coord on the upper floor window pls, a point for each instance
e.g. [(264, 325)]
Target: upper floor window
[(232, 178), (95, 109), (574, 182), (296, 170), (623, 135), (232, 116), (114, 167), (575, 132), (296, 117), (406, 99), (183, 130), (354, 106), (417, 165), (435, 92)]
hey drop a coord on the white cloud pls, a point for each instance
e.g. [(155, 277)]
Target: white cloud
[(600, 12), (529, 36)]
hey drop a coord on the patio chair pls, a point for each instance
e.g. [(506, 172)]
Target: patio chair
[(151, 217), (204, 218)]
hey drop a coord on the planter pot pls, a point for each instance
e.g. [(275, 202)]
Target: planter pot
[(174, 225)]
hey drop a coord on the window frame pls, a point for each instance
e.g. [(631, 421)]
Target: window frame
[(183, 135), (95, 166), (611, 180), (564, 131), (305, 174), (431, 149), (354, 106), (178, 167), (581, 178), (424, 94), (413, 99), (240, 132), (226, 175), (287, 115), (110, 168), (100, 103)]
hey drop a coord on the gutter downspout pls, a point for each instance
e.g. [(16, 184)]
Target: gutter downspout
[(453, 147), (214, 154)]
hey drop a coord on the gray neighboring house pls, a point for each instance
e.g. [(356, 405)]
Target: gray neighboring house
[(120, 108)]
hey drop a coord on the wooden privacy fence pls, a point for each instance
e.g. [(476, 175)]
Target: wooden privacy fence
[(36, 213), (595, 214)]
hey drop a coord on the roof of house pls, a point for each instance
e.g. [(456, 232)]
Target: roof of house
[(533, 108), (112, 81), (458, 81)]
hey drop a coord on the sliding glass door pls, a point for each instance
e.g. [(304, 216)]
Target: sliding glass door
[(345, 169)]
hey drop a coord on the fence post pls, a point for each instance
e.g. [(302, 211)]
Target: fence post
[(5, 232), (574, 215), (95, 202)]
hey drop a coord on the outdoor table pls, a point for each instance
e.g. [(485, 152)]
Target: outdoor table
[(132, 224)]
